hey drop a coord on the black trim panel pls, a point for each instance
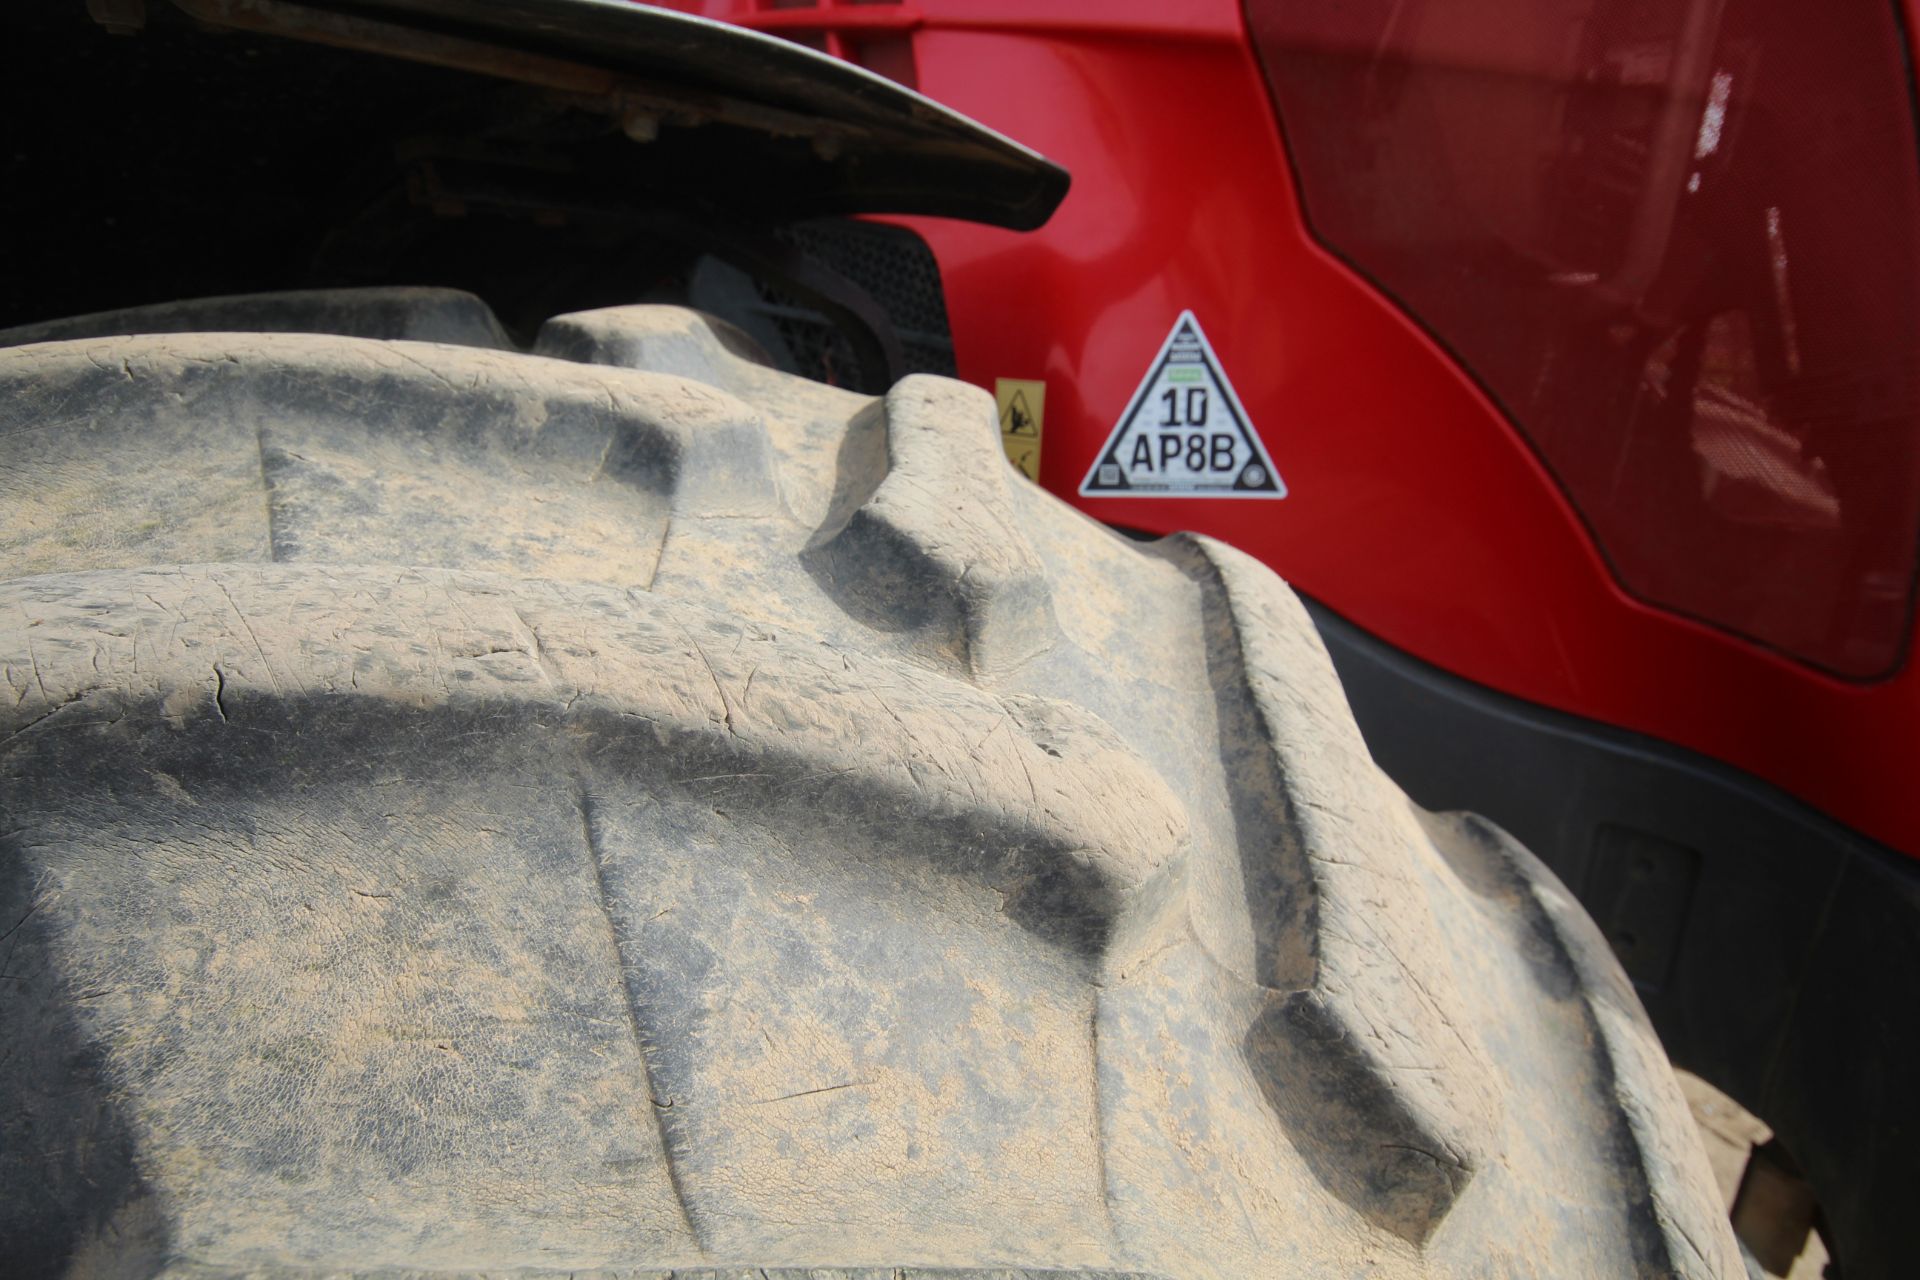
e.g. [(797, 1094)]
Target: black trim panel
[(1777, 951), (875, 146)]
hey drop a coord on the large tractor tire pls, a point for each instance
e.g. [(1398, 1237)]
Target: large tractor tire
[(621, 809)]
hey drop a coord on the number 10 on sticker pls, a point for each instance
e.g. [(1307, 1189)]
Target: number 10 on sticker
[(1192, 414)]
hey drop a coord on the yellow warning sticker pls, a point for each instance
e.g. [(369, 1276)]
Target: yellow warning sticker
[(1023, 407)]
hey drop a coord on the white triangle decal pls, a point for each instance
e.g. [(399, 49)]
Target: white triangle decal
[(1184, 434)]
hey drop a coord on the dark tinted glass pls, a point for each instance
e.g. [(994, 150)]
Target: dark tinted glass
[(1679, 242)]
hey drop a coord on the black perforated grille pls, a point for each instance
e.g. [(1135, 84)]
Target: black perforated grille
[(890, 263)]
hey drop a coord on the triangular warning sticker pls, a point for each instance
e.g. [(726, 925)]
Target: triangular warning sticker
[(1018, 420), (1184, 434)]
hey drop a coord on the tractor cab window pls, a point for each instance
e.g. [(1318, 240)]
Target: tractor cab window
[(1678, 241)]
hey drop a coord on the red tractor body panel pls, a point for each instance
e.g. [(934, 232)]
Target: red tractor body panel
[(1415, 508)]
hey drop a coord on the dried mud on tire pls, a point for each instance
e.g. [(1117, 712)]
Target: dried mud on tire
[(620, 809)]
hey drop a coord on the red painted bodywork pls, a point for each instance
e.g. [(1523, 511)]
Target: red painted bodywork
[(1415, 509)]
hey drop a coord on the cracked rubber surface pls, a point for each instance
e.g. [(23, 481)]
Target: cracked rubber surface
[(623, 810)]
